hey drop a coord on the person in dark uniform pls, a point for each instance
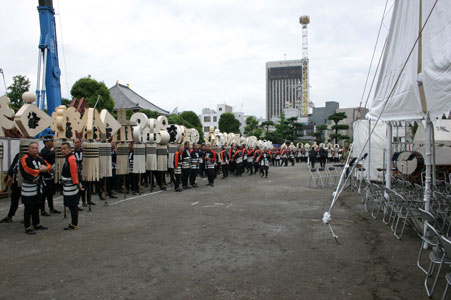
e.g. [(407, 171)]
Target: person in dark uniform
[(48, 154), (178, 168), (238, 158), (257, 153), (210, 159), (312, 157), (131, 179), (32, 167), (186, 166), (195, 162), (71, 185), (15, 189), (264, 159), (224, 157)]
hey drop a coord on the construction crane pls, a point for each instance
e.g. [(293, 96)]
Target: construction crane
[(304, 21), (48, 89)]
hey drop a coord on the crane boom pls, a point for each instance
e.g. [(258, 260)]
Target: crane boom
[(48, 90)]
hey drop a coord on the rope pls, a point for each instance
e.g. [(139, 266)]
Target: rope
[(372, 58)]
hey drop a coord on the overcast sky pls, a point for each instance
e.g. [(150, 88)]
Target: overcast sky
[(198, 53)]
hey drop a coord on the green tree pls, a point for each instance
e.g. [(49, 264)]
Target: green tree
[(179, 120), (20, 85), (295, 127), (267, 124), (66, 102), (251, 125), (283, 129), (274, 137), (194, 120), (90, 89), (318, 134), (228, 123), (336, 118), (149, 113)]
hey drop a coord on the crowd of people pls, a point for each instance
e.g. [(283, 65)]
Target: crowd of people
[(189, 162)]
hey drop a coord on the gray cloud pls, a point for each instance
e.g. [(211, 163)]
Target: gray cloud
[(199, 53)]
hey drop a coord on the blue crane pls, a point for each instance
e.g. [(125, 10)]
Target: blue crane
[(48, 90)]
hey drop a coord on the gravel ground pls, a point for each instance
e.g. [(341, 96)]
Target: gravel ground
[(246, 238)]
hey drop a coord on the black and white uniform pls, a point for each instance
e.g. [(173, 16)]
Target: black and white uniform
[(69, 179), (186, 166), (210, 159), (264, 160), (195, 164), (49, 180), (31, 187)]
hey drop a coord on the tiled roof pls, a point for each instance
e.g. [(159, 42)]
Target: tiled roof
[(126, 98)]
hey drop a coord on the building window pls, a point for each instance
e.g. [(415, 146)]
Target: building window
[(220, 109), (207, 119), (206, 128), (215, 119)]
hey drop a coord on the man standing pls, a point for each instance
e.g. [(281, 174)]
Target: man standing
[(186, 166), (238, 158), (224, 157), (250, 161), (48, 154), (264, 159), (15, 189), (32, 168), (71, 185), (195, 162), (257, 153), (178, 168), (78, 154), (210, 159)]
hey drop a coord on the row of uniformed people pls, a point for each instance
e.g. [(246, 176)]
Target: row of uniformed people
[(35, 171)]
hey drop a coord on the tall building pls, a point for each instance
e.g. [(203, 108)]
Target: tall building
[(283, 86)]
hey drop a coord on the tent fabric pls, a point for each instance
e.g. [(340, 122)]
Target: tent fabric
[(405, 102), (378, 143), (442, 133)]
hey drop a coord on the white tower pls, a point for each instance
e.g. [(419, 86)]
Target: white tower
[(304, 21)]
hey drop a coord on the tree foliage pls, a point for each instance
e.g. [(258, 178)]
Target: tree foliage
[(90, 89), (20, 85), (180, 120), (267, 124), (149, 113), (337, 117), (318, 134), (228, 123), (251, 128)]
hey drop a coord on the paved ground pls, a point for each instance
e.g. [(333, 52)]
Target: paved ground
[(246, 238)]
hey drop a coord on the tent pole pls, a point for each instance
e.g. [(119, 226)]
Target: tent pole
[(368, 172), (434, 178), (388, 157), (427, 184)]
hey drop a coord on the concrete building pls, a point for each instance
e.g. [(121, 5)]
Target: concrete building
[(283, 87), (210, 117), (320, 114)]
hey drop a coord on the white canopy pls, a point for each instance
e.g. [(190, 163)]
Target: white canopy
[(378, 142), (405, 102), (442, 133)]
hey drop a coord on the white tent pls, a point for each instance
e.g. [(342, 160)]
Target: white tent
[(376, 154), (442, 133), (407, 101)]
